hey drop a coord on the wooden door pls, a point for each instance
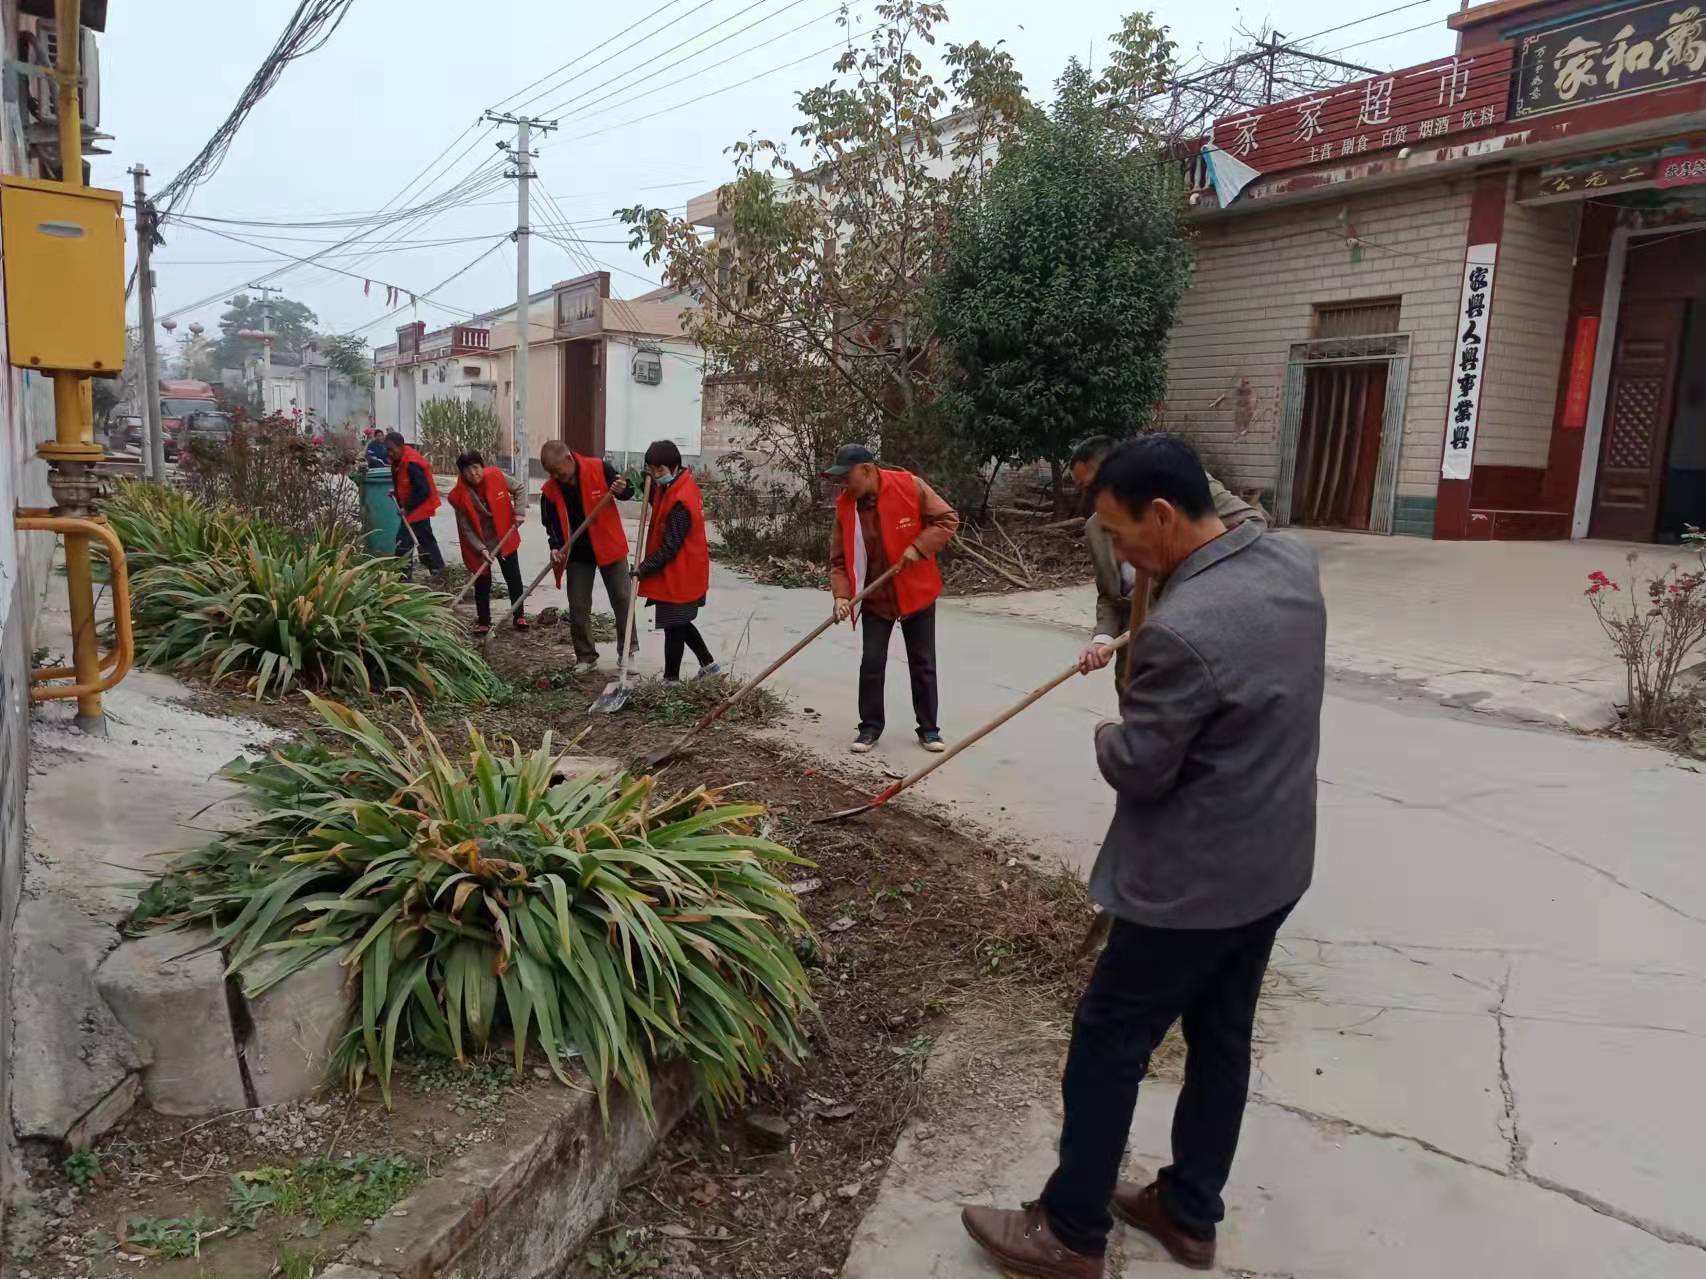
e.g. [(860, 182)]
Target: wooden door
[(582, 398), (1338, 451), (1640, 403)]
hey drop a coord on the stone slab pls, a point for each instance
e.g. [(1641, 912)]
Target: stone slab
[(176, 1003), (295, 1027), (71, 1057)]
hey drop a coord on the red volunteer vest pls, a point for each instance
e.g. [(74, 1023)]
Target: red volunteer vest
[(400, 486), (494, 492), (609, 540), (687, 577), (900, 519)]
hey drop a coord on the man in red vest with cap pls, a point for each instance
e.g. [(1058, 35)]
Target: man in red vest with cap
[(884, 517), (484, 498), (572, 491), (417, 498)]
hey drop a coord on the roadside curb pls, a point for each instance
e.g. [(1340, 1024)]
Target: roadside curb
[(522, 1208)]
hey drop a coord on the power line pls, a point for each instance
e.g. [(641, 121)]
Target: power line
[(670, 4), (428, 295), (624, 49), (567, 102), (307, 32), (587, 112)]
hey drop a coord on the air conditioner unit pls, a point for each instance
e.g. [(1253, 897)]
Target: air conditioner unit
[(43, 53)]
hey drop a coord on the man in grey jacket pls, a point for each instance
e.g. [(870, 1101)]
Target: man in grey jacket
[(1212, 843), (1115, 580)]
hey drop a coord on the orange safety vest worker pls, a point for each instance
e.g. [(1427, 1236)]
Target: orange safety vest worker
[(900, 519), (687, 577), (609, 540), (400, 486), (494, 492)]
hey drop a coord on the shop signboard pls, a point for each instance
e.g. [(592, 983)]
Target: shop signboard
[(1422, 106), (1627, 51)]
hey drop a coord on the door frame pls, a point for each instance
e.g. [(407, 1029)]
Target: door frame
[(1391, 349), (1611, 313)]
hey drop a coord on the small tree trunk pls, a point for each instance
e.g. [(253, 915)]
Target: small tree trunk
[(1057, 474), (983, 508)]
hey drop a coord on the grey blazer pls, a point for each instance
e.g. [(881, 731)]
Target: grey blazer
[(1213, 759)]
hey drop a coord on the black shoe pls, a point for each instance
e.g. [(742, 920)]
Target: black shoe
[(865, 741), (932, 741)]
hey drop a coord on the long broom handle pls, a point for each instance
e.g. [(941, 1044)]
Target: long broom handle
[(740, 695), (472, 578), (598, 506), (1035, 695), (634, 585), (1140, 590)]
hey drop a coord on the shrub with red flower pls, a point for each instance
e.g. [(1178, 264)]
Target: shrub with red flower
[(1663, 622)]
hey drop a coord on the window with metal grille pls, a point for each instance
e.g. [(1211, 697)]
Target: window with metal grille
[(1356, 319)]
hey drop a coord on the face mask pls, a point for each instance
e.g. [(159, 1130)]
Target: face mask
[(663, 481)]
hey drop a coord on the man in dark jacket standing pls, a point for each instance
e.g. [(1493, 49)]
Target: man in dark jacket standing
[(1212, 843)]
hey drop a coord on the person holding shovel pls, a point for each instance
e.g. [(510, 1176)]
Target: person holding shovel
[(1114, 580), (1212, 843), (574, 487), (676, 573), (484, 499), (417, 498), (884, 516)]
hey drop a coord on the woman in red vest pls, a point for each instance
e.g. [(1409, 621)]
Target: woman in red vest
[(416, 493), (885, 517), (676, 572), (484, 499), (571, 493)]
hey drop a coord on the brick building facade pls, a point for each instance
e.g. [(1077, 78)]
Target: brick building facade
[(1419, 303)]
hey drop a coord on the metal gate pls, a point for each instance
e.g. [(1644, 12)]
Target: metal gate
[(1328, 360)]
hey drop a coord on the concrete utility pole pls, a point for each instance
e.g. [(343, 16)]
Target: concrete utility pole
[(154, 435), (266, 291), (523, 156)]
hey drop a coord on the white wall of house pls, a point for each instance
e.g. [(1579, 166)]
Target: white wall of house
[(636, 415)]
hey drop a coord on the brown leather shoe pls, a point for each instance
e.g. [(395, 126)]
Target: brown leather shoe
[(1024, 1245), (1140, 1208)]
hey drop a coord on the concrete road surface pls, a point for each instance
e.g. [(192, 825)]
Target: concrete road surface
[(1486, 1053)]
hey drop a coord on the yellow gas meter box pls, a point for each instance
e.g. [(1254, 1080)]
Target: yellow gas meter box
[(64, 257)]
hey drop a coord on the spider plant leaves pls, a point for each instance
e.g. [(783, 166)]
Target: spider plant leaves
[(476, 900)]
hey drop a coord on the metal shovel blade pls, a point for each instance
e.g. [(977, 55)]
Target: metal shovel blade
[(614, 697), (846, 814), (657, 759)]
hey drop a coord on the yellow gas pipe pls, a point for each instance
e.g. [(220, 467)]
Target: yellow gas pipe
[(73, 452)]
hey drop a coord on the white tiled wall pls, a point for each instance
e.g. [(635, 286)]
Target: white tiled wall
[(1256, 281)]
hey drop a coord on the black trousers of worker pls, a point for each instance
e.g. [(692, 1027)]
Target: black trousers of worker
[(1146, 979), (428, 542), (511, 565), (919, 634)]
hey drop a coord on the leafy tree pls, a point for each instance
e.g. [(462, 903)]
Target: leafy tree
[(348, 355), (292, 327), (816, 315), (1058, 287)]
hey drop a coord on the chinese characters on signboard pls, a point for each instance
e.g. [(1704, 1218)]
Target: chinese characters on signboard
[(1421, 105), (1633, 50), (1469, 364), (1681, 170)]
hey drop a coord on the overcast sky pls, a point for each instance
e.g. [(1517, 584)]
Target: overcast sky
[(348, 127)]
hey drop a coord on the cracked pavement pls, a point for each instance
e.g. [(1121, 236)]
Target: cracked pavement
[(1484, 1054), (1484, 1051)]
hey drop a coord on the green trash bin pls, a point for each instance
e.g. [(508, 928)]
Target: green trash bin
[(380, 516)]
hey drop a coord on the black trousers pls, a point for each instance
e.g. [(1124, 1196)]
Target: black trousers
[(1148, 978), (676, 641), (511, 566), (428, 541), (919, 634)]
